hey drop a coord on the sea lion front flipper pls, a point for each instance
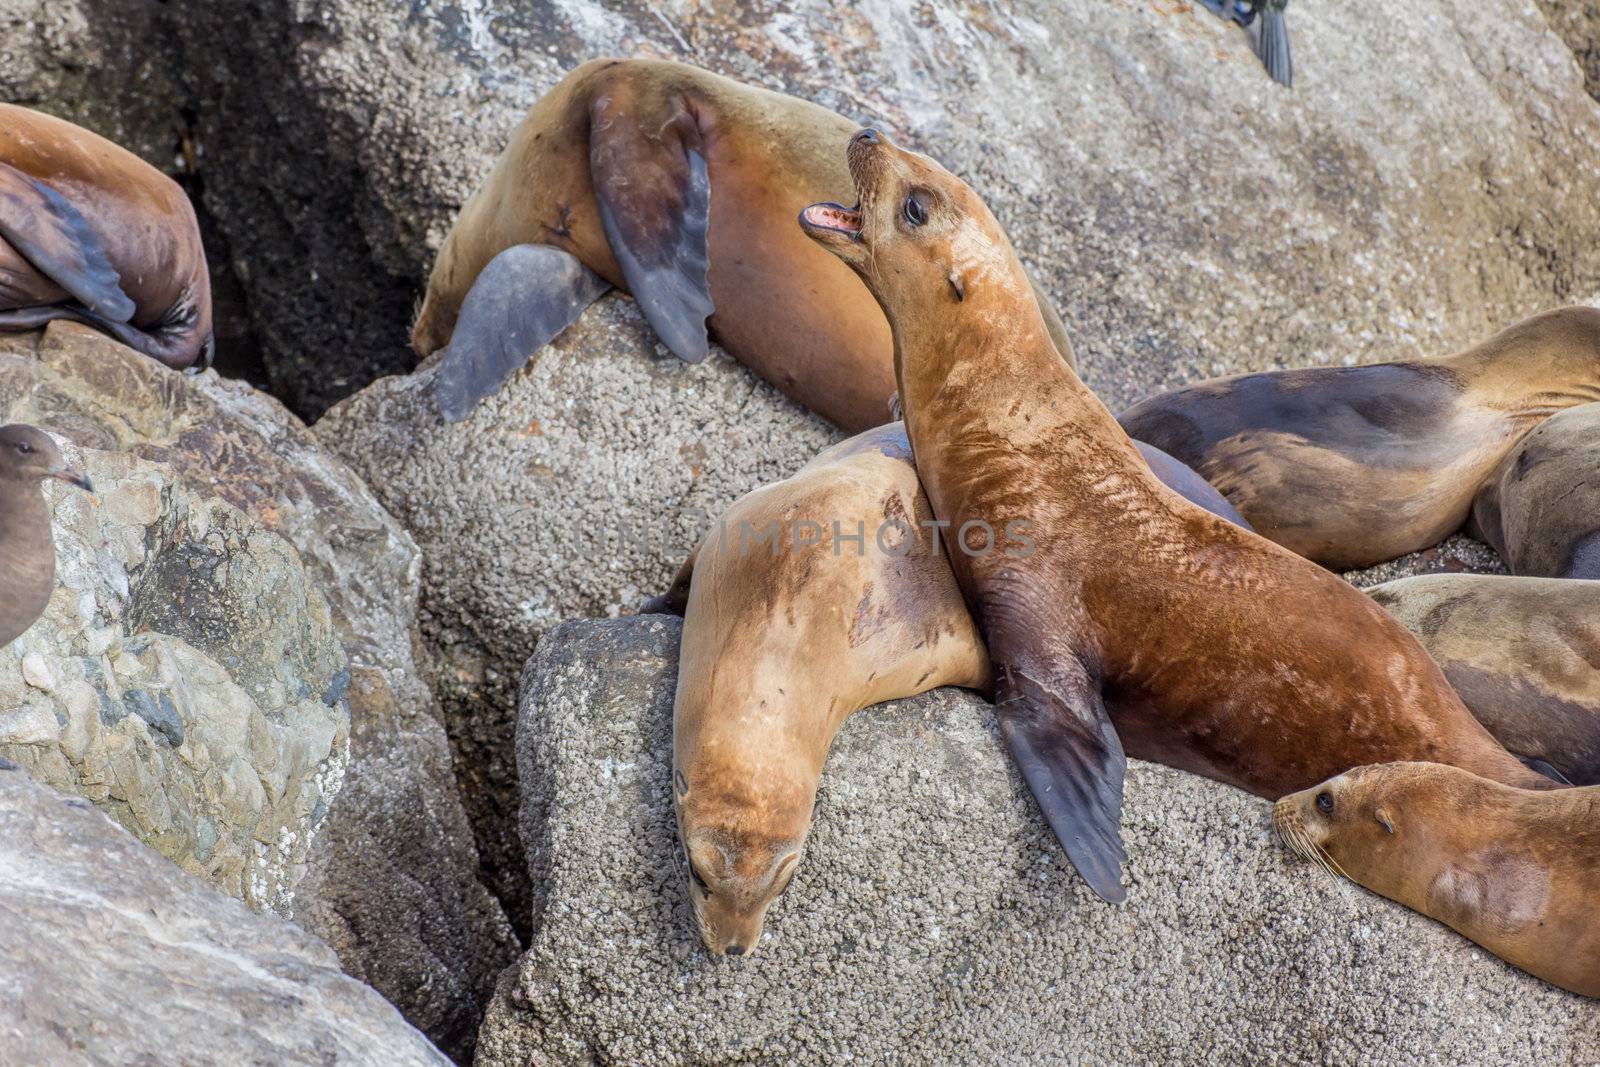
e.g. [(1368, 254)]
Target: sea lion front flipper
[(675, 601), (525, 297), (655, 205), (1069, 753), (52, 235)]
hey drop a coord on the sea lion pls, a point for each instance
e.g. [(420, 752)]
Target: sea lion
[(92, 233), (27, 548), (792, 625), (1351, 466), (1516, 871), (680, 187), (1523, 653), (1541, 508), (1215, 650)]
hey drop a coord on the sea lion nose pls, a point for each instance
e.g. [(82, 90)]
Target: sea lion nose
[(735, 950), (868, 136)]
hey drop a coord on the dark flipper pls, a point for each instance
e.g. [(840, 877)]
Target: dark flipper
[(1272, 44), (59, 242), (525, 297), (1533, 763), (655, 204), (675, 601), (1064, 744)]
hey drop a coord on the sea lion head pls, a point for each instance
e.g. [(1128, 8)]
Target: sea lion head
[(916, 230), (742, 835), (28, 455), (1370, 824)]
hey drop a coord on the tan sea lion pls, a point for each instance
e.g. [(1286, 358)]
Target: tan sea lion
[(1514, 870), (1351, 466), (791, 628), (1541, 508), (1215, 650), (27, 545), (92, 233), (680, 187), (1523, 653)]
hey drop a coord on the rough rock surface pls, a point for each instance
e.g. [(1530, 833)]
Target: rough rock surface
[(933, 919), (575, 492), (111, 955), (391, 880), (186, 675), (1422, 184)]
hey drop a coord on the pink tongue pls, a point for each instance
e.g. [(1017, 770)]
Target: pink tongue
[(827, 216)]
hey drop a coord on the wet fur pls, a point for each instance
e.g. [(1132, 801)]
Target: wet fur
[(1213, 649)]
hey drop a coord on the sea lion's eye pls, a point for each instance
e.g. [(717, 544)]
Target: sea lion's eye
[(914, 210), (1325, 802), (699, 881)]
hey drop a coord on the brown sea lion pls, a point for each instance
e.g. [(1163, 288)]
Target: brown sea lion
[(1215, 650), (27, 546), (1351, 466), (1541, 508), (790, 629), (1516, 871), (92, 233), (680, 187), (791, 626), (1523, 653)]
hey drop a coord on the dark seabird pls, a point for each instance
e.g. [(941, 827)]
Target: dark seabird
[(27, 548), (1263, 20)]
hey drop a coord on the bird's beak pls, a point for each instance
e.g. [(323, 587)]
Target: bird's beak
[(72, 477)]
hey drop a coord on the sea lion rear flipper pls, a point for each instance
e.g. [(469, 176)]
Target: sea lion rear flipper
[(1534, 763), (655, 204), (1069, 753), (41, 224), (525, 297)]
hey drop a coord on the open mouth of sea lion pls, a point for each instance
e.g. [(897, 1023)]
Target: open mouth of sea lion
[(833, 218)]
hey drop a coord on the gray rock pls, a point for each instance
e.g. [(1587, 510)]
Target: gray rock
[(577, 491), (111, 955), (391, 878), (1188, 215), (934, 920)]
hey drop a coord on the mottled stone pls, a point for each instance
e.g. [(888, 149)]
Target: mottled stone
[(934, 920), (111, 955), (245, 525)]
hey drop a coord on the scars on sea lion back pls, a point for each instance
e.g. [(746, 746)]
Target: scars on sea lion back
[(92, 233), (1216, 651), (680, 187)]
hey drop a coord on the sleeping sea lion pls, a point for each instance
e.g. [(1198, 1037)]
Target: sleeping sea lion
[(92, 233), (1351, 466), (680, 187), (1215, 650), (1523, 653), (1541, 508), (1516, 871)]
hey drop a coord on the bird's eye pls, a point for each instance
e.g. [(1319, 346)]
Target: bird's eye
[(914, 210), (1325, 803), (25, 448)]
